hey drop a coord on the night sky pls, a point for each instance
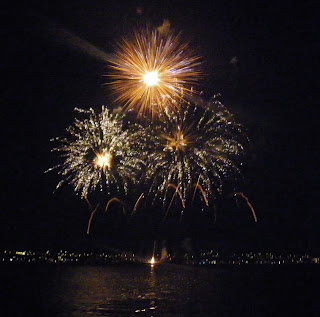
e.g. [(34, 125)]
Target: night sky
[(271, 90)]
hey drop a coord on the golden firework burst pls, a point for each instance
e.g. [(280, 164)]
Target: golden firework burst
[(152, 72), (197, 148), (98, 152)]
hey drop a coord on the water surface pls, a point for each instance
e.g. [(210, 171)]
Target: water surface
[(167, 290)]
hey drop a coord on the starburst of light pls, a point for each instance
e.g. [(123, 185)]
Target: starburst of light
[(103, 160), (178, 139), (152, 71), (197, 148), (99, 153)]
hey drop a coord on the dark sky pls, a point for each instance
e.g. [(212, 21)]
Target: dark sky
[(272, 91)]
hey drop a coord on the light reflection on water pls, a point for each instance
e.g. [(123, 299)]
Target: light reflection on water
[(159, 291), (129, 291)]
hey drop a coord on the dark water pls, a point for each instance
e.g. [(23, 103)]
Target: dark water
[(130, 290)]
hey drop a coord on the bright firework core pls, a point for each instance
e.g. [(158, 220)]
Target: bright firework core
[(151, 78), (103, 160), (178, 142)]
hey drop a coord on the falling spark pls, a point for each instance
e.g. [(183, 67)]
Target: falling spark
[(195, 189), (137, 204), (113, 200), (153, 71), (248, 203), (203, 193), (178, 192), (171, 201), (90, 219), (89, 204)]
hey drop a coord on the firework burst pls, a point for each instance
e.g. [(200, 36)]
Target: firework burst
[(197, 148), (99, 153), (153, 71)]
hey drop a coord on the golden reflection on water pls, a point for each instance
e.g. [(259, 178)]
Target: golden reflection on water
[(150, 291), (136, 290)]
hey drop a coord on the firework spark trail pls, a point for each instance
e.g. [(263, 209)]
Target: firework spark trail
[(195, 189), (197, 185), (152, 71), (89, 204), (248, 203), (203, 193), (171, 201), (137, 204), (115, 199), (90, 219), (177, 191)]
